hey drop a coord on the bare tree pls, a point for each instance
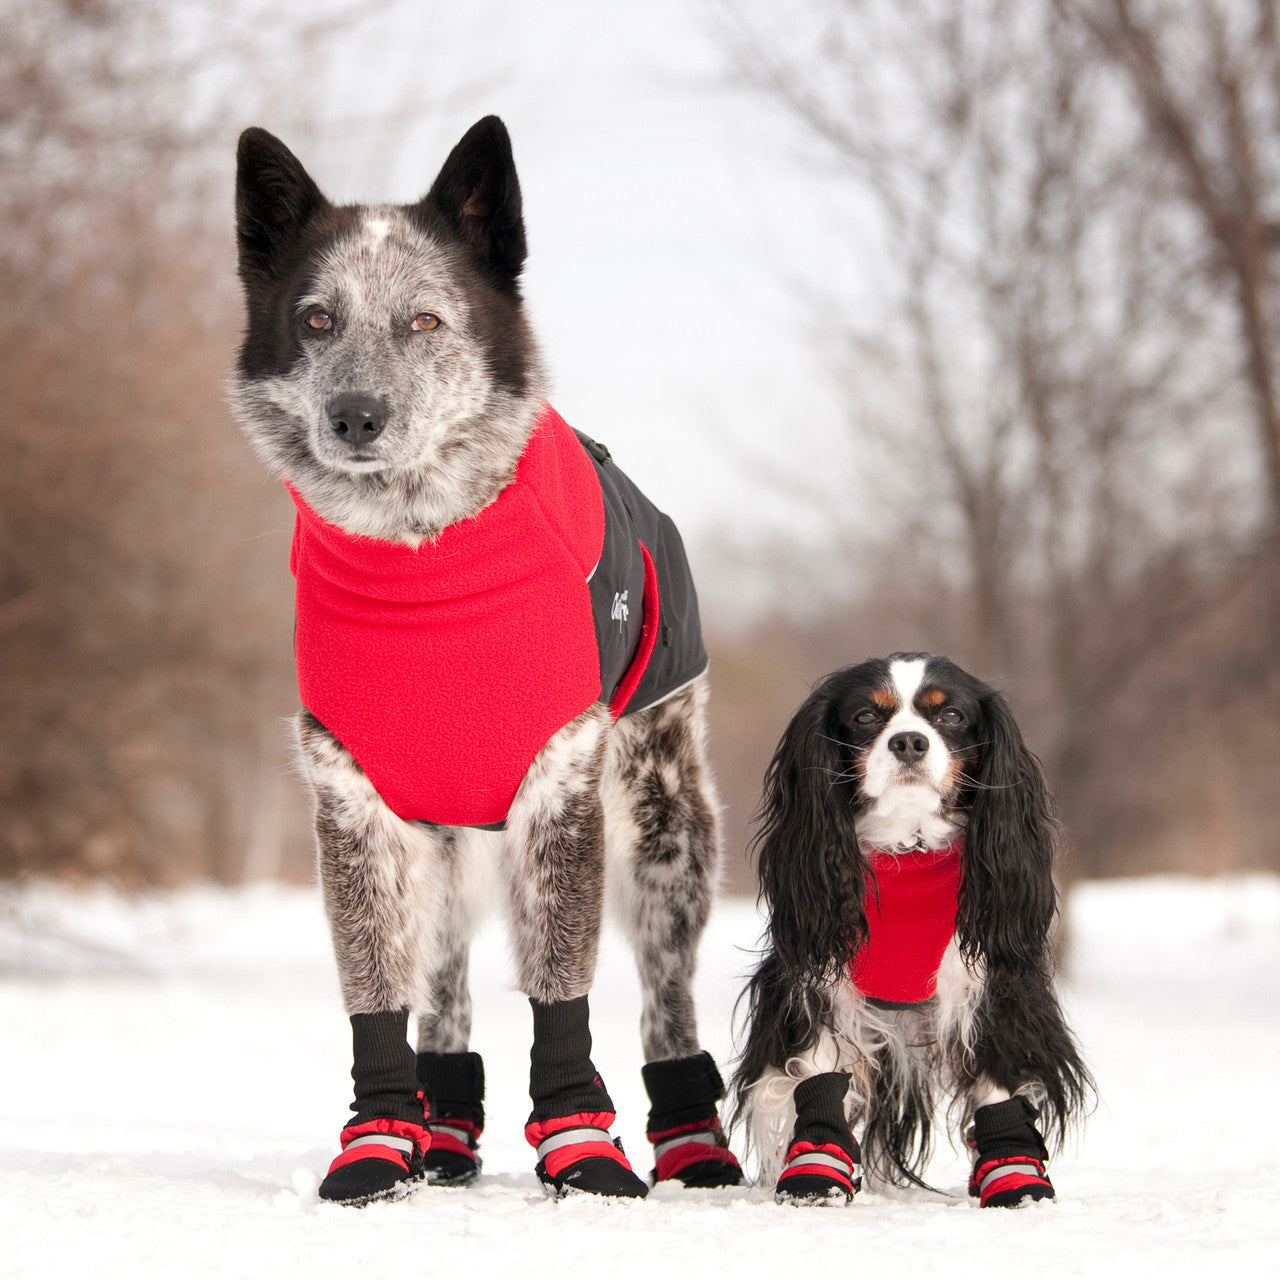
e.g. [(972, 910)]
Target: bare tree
[(1054, 384), (1206, 77)]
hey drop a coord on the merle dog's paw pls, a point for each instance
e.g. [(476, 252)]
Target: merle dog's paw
[(454, 1087), (381, 1159), (696, 1156), (596, 1176), (689, 1145), (452, 1160), (577, 1154), (367, 1181)]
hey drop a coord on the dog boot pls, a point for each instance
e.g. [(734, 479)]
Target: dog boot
[(689, 1145), (823, 1162), (454, 1086), (383, 1148), (1009, 1155), (569, 1125)]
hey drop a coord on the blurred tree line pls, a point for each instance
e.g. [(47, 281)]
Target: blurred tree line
[(1060, 463), (142, 678)]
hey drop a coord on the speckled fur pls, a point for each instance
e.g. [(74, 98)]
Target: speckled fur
[(663, 841), (405, 898)]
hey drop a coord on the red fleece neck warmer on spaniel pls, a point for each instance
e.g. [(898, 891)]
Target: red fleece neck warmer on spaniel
[(912, 900)]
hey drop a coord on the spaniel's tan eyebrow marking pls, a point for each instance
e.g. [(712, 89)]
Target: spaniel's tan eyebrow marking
[(884, 698), (932, 698)]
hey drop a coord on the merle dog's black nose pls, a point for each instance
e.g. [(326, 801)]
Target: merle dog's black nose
[(908, 747), (357, 418)]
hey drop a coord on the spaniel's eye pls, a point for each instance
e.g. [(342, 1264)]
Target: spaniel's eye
[(865, 717), (318, 319), (424, 322), (950, 716)]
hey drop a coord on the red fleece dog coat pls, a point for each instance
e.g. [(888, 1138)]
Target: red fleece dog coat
[(445, 668), (912, 899)]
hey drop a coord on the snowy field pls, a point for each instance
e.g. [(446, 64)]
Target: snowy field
[(173, 1073)]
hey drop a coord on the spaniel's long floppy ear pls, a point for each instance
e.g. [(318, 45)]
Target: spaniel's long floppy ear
[(1007, 900), (810, 868)]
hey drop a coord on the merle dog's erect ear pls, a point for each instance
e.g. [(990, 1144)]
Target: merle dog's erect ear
[(478, 196), (274, 198)]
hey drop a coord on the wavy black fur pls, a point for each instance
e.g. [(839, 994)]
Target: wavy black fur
[(816, 915), (1008, 903), (812, 875)]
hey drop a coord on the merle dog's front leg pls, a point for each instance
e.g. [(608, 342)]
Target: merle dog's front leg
[(380, 878), (554, 861)]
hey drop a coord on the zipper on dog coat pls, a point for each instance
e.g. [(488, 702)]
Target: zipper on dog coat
[(445, 668)]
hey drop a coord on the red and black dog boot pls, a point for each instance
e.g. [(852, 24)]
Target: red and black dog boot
[(569, 1125), (383, 1148), (1009, 1156), (824, 1163), (689, 1145), (454, 1088)]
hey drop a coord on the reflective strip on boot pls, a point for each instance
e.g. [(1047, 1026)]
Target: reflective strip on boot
[(707, 1137), (818, 1157), (571, 1137), (381, 1140), (1002, 1170), (1021, 1175), (458, 1138)]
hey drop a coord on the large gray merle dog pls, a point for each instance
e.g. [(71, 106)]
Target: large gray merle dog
[(501, 672)]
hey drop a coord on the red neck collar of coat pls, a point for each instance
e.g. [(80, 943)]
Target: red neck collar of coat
[(552, 485), (912, 900)]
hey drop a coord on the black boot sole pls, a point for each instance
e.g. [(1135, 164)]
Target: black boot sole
[(456, 1176), (594, 1176)]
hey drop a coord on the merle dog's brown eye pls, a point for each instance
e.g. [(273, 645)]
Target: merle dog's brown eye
[(865, 717), (424, 322), (319, 319)]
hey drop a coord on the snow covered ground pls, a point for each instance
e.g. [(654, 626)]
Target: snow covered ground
[(173, 1072)]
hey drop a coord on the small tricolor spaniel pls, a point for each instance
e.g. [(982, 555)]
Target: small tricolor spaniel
[(905, 851)]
